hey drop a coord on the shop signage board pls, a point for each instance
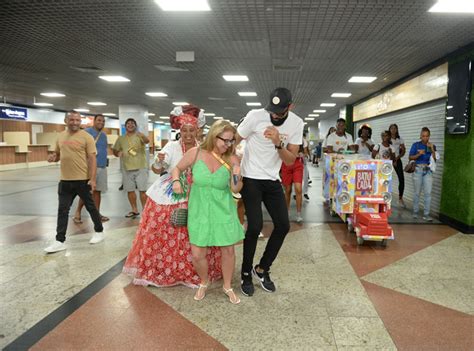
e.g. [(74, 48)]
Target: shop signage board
[(13, 113)]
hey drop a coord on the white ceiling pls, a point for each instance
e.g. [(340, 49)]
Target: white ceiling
[(310, 47)]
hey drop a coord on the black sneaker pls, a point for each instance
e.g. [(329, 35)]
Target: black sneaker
[(306, 196), (264, 280), (246, 284)]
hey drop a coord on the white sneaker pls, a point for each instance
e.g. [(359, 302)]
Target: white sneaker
[(56, 247), (299, 219), (261, 235), (97, 238)]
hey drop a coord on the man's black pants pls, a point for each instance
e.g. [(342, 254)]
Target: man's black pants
[(67, 192), (270, 192)]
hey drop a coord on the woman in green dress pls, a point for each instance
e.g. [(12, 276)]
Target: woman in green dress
[(212, 212)]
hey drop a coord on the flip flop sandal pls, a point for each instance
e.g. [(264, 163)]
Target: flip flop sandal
[(131, 214), (104, 219)]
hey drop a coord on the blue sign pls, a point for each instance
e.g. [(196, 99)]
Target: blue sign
[(13, 113)]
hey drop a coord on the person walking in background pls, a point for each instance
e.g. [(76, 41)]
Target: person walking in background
[(161, 253), (316, 152), (273, 136), (304, 154), (100, 140), (212, 216), (364, 142), (131, 149), (425, 156), (292, 176), (77, 152), (399, 149)]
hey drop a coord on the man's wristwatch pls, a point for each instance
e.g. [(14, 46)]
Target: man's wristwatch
[(280, 146)]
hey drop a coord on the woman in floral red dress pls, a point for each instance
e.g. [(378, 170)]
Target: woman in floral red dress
[(161, 253)]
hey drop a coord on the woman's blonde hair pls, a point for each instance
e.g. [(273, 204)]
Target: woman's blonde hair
[(217, 128)]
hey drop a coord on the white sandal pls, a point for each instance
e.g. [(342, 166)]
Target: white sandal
[(231, 294), (201, 292)]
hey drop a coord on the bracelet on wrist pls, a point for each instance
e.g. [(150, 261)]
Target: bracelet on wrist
[(175, 180)]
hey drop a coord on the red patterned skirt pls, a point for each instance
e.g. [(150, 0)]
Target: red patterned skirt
[(161, 253)]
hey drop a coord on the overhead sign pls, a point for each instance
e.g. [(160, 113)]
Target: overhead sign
[(13, 113)]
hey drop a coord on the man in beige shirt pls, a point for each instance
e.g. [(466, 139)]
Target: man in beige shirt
[(77, 152), (131, 148)]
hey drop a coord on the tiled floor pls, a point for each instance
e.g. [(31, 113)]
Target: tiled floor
[(416, 294)]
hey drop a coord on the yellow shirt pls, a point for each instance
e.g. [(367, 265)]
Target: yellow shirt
[(135, 159), (73, 149)]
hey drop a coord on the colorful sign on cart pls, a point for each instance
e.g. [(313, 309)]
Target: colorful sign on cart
[(14, 113), (364, 180)]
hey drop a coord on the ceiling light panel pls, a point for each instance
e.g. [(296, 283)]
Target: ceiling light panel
[(327, 104), (247, 93), (81, 110), (236, 78), (183, 5), (156, 94), (53, 94), (209, 114), (453, 6), (254, 104), (44, 104), (180, 103), (341, 95), (319, 111), (96, 103), (361, 79), (114, 78)]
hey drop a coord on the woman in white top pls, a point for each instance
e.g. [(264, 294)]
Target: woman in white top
[(325, 141), (161, 252), (384, 150), (398, 145), (364, 142)]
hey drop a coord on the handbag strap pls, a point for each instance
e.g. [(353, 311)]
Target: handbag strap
[(218, 158)]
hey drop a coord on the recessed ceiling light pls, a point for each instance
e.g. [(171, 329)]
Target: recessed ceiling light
[(236, 78), (110, 114), (327, 104), (247, 93), (164, 117), (460, 6), (209, 114), (254, 104), (309, 119), (53, 94), (313, 115), (218, 117), (44, 110), (157, 94), (183, 5), (180, 103), (449, 117), (96, 103), (341, 95), (319, 111), (360, 79), (81, 110), (44, 104), (305, 123), (114, 78), (150, 114)]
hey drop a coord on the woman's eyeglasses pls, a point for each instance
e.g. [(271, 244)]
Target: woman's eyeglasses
[(228, 142)]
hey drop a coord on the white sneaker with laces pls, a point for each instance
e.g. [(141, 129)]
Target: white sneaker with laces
[(97, 238), (427, 219), (299, 219), (56, 247)]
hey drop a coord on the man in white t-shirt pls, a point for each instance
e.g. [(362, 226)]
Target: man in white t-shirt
[(273, 136), (340, 141)]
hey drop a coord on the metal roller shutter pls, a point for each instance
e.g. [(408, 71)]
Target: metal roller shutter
[(410, 122)]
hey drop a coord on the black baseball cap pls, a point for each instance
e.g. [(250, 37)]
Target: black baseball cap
[(280, 99)]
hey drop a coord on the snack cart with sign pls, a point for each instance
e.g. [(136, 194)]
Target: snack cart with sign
[(359, 191)]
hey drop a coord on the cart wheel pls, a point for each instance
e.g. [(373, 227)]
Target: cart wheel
[(350, 227), (384, 242), (360, 240)]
